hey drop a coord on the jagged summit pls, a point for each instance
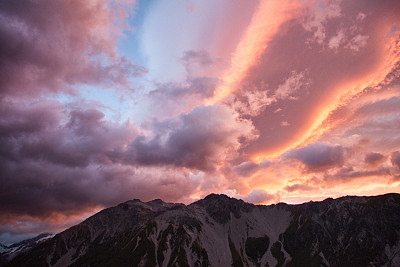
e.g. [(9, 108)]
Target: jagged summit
[(221, 199), (221, 207), (223, 231), (214, 196)]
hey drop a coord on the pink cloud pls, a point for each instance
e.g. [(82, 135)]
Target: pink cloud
[(318, 156), (374, 158), (395, 159), (333, 77), (53, 45)]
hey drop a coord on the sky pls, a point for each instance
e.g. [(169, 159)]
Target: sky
[(268, 101)]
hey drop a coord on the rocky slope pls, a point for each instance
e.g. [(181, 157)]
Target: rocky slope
[(10, 252), (222, 231)]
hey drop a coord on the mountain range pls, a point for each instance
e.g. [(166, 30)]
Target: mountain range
[(223, 231), (7, 253)]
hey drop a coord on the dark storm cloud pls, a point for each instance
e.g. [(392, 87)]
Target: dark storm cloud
[(16, 119), (40, 189), (37, 132), (318, 156), (66, 171), (55, 159), (52, 160)]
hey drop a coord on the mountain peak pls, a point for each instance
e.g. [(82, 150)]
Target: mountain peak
[(156, 201), (219, 198), (214, 196), (221, 207)]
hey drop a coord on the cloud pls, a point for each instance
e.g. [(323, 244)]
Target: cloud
[(85, 138), (53, 45), (380, 126), (285, 124), (45, 131), (202, 139), (317, 15), (374, 158), (395, 159), (256, 196), (357, 42), (349, 173), (337, 40), (201, 87), (252, 100), (379, 107), (179, 96), (58, 159), (44, 190), (248, 168), (254, 42), (17, 120), (350, 37), (318, 156), (201, 57), (331, 86), (55, 160), (198, 63), (293, 84), (298, 187)]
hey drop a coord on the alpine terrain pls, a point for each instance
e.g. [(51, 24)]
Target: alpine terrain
[(223, 231), (9, 252)]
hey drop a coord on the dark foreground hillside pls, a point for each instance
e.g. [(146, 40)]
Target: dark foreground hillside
[(223, 231)]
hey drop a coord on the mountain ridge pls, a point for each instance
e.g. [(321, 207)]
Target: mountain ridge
[(223, 231), (9, 252)]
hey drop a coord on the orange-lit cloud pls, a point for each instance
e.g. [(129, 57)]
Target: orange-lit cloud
[(342, 94), (265, 24)]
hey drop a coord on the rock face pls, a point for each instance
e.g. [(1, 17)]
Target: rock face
[(222, 231)]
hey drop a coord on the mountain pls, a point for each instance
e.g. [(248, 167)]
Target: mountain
[(3, 248), (223, 231), (9, 252), (3, 260)]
